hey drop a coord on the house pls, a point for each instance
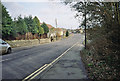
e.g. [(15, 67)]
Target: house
[(51, 31), (64, 31), (59, 32), (81, 30), (55, 32)]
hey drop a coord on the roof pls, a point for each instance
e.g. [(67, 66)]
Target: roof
[(58, 29), (49, 26)]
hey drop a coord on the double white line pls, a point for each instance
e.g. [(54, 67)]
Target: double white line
[(41, 69)]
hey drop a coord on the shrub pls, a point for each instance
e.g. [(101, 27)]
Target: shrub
[(67, 33)]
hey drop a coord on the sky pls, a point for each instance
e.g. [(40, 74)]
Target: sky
[(46, 11)]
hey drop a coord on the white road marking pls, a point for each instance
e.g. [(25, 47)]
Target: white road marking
[(37, 72), (34, 72), (7, 59)]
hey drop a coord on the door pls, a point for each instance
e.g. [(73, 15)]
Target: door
[(0, 46), (4, 46)]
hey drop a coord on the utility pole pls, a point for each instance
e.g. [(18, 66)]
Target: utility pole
[(56, 26), (71, 29), (85, 25), (56, 22)]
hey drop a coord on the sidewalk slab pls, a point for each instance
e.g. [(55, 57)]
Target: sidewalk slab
[(69, 66)]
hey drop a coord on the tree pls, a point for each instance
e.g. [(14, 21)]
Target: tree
[(37, 22), (21, 26), (40, 30), (103, 14), (30, 24), (45, 27), (34, 28), (28, 21), (67, 33), (7, 24), (106, 16)]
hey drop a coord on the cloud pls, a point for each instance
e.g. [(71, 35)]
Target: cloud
[(30, 0), (15, 9), (45, 11)]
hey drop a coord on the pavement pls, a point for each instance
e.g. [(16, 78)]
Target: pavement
[(21, 63), (69, 66)]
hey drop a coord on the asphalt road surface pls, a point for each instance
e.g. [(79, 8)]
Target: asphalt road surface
[(22, 63)]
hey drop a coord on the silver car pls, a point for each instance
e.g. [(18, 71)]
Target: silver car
[(4, 47)]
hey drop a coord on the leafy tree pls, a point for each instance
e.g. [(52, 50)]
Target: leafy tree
[(45, 27), (36, 21), (21, 26), (7, 24), (28, 21), (40, 30), (30, 24), (34, 27)]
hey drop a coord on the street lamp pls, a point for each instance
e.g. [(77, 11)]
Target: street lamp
[(85, 25)]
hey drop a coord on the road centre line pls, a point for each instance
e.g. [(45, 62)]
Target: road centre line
[(35, 72), (46, 66), (39, 72)]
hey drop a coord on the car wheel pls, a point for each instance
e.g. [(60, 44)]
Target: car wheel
[(9, 50)]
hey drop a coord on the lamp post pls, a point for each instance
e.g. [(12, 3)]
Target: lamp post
[(85, 25), (56, 22), (56, 27)]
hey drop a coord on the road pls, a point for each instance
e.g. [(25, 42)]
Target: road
[(22, 63)]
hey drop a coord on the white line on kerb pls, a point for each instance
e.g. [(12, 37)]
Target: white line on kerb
[(40, 70)]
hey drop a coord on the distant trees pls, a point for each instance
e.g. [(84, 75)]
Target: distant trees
[(45, 27), (31, 25), (40, 30), (20, 26)]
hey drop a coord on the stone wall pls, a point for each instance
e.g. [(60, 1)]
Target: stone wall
[(32, 42), (20, 43)]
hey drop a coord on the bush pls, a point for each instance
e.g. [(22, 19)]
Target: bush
[(67, 33), (101, 57)]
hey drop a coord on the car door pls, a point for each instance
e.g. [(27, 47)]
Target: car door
[(0, 46), (4, 46)]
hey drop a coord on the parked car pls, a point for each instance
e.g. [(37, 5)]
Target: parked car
[(4, 47)]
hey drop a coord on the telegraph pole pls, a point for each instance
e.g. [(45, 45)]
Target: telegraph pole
[(56, 26), (85, 25), (56, 22)]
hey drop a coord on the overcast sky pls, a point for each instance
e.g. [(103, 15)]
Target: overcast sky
[(46, 11)]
